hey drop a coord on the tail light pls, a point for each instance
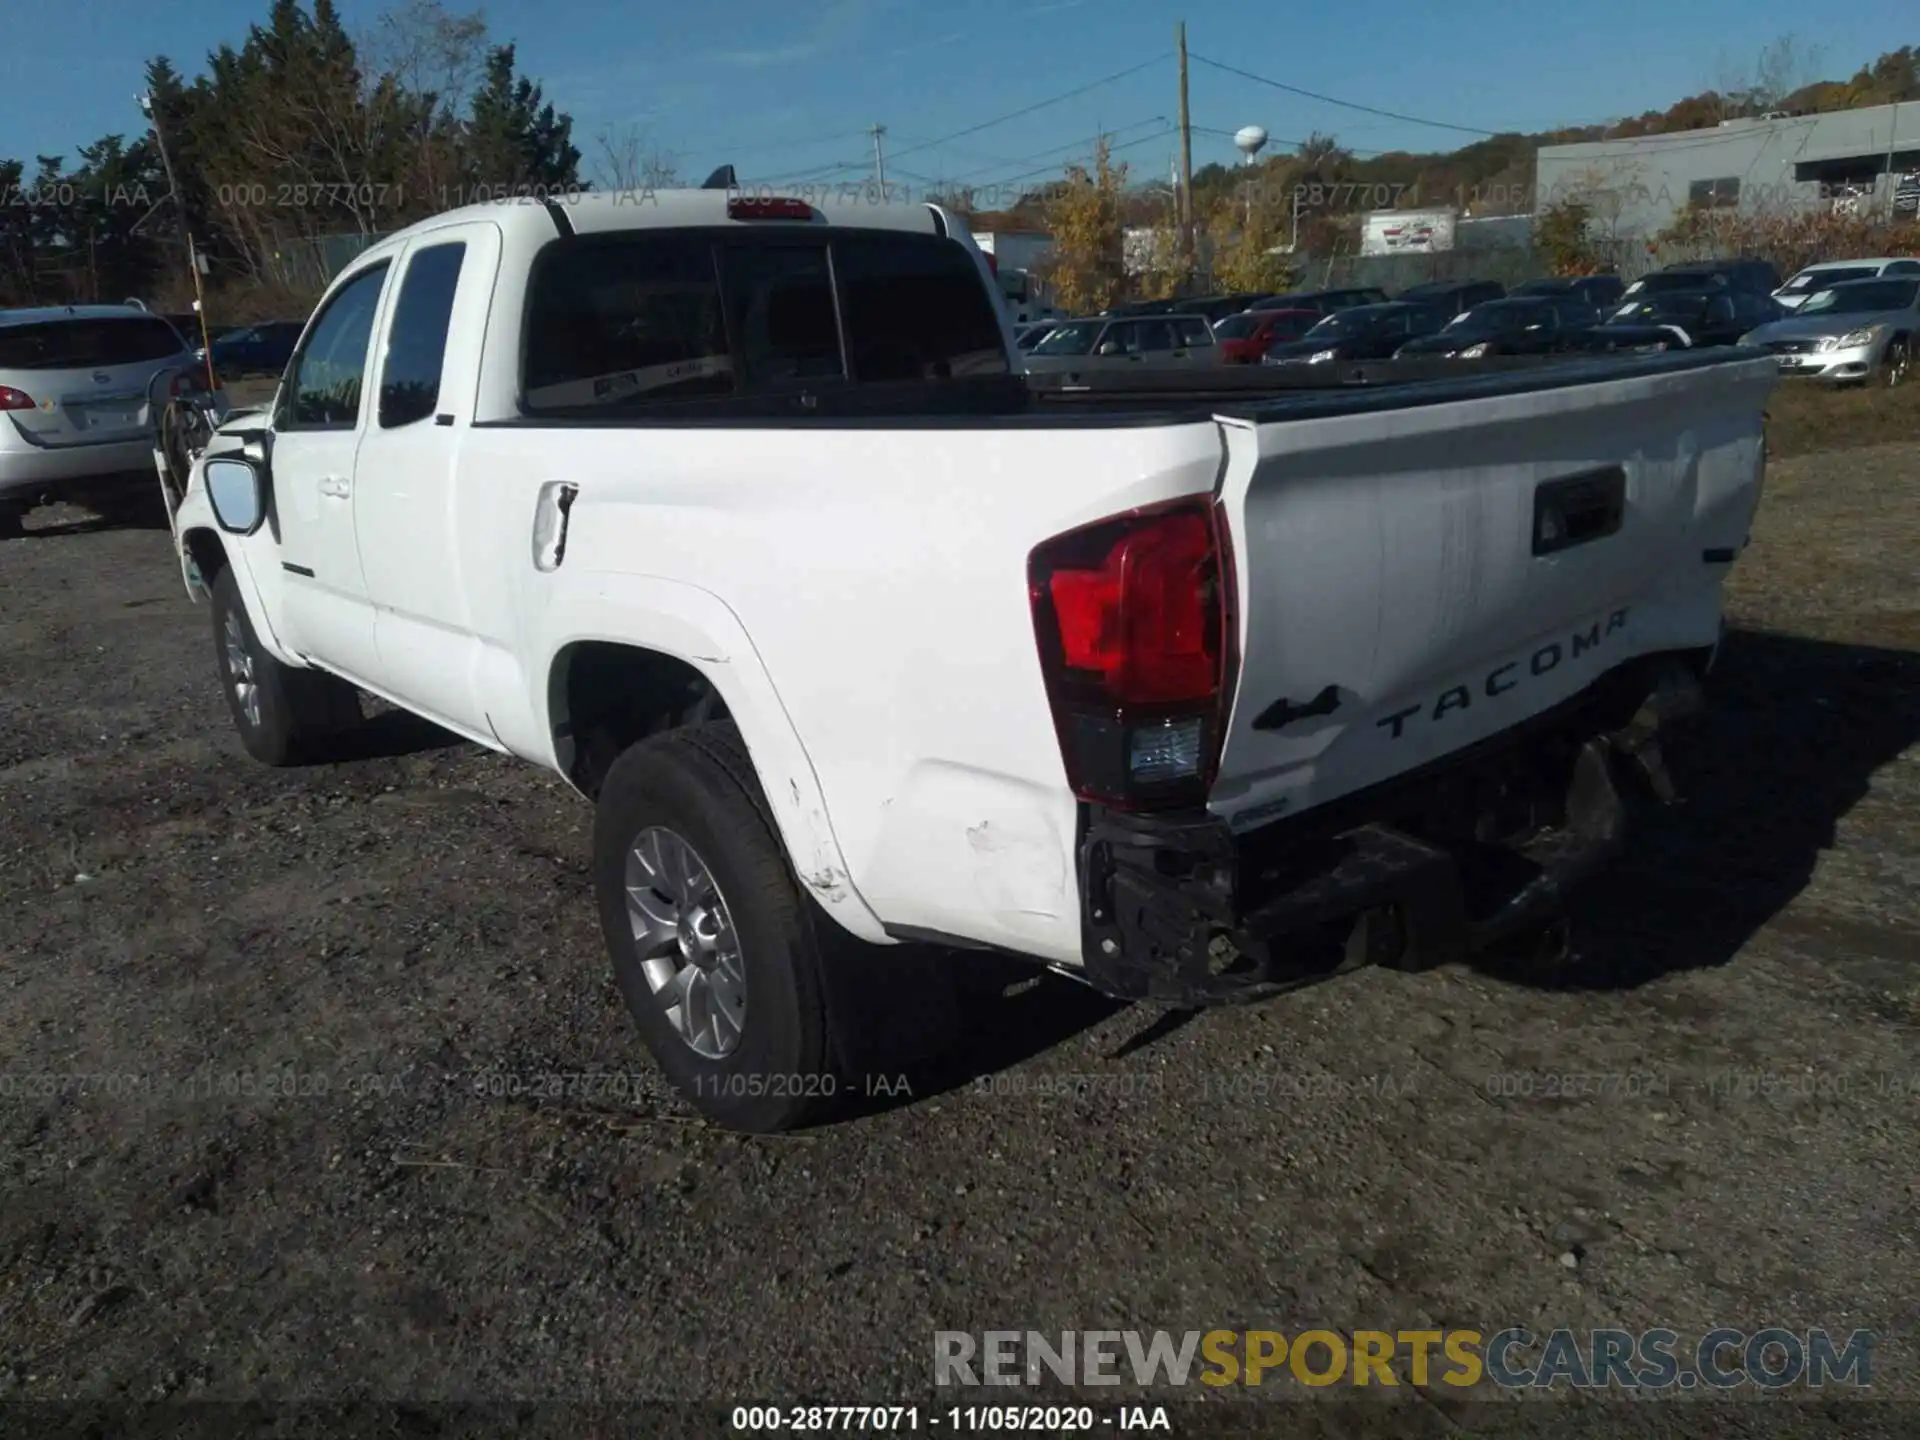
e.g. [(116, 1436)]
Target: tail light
[(1135, 623), (12, 399)]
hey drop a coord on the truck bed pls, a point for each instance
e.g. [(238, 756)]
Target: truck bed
[(1254, 393)]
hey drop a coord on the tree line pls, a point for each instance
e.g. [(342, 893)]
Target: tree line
[(301, 139)]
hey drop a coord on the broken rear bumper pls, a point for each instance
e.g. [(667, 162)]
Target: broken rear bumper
[(1475, 849)]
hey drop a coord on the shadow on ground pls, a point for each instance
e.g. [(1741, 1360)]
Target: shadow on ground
[(388, 735), (1795, 731), (130, 501)]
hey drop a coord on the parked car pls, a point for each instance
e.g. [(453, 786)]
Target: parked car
[(186, 325), (1829, 273), (1131, 340), (1324, 301), (1517, 325), (1602, 292), (1684, 319), (1219, 307), (1025, 337), (1849, 332), (254, 349), (1244, 338), (75, 383), (1451, 297), (1750, 275), (1142, 307), (618, 490), (1365, 332)]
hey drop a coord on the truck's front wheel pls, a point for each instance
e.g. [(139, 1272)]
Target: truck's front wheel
[(280, 712), (713, 944)]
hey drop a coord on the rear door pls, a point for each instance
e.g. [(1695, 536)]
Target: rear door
[(408, 518), (89, 376), (1397, 599)]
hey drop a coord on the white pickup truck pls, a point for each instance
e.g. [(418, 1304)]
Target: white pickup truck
[(738, 514)]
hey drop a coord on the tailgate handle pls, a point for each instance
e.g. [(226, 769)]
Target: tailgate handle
[(1283, 713), (1578, 510)]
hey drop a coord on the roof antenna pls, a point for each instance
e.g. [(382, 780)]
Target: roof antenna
[(721, 179)]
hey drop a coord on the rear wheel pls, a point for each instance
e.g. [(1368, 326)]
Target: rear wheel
[(715, 948), (283, 714), (12, 515), (1895, 364)]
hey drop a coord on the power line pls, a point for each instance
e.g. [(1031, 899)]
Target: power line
[(1049, 169), (1088, 140), (1297, 144), (827, 172), (1343, 104), (1029, 109)]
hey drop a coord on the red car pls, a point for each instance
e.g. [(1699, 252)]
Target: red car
[(1244, 338)]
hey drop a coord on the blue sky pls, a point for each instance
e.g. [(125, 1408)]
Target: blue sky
[(782, 89)]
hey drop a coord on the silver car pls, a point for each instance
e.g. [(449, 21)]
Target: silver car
[(75, 383), (1828, 273), (1123, 341), (1848, 333)]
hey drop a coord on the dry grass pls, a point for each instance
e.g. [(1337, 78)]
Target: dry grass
[(1806, 417)]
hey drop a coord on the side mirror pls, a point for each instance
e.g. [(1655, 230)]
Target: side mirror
[(238, 493)]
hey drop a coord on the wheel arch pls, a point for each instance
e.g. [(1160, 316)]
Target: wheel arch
[(674, 646)]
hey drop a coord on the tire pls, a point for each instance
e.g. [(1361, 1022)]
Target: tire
[(696, 786), (1896, 362), (12, 514), (287, 714)]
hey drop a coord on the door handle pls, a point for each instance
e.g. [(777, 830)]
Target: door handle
[(334, 486)]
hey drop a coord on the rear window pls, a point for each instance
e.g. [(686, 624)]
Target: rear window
[(678, 316), (86, 344), (915, 309)]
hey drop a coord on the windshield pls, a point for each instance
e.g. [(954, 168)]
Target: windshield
[(1503, 316), (1069, 340), (1862, 297), (1660, 284), (1345, 322), (1658, 309), (1808, 281)]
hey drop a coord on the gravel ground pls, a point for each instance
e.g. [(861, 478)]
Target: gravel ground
[(406, 938)]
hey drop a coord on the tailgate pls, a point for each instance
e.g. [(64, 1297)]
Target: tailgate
[(1416, 577)]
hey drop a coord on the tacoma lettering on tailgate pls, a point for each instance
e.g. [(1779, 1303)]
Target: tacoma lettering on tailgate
[(1504, 678)]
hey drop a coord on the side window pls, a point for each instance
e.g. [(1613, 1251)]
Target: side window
[(1195, 333), (1154, 336), (1903, 267), (780, 300), (1720, 308), (631, 321), (323, 390), (417, 338), (1125, 339)]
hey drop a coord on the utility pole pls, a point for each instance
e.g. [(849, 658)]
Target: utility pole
[(186, 234), (879, 159), (1186, 151)]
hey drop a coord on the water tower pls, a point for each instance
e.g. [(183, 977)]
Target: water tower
[(1250, 140)]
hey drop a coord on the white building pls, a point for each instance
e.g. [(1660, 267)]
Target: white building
[(1637, 187)]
